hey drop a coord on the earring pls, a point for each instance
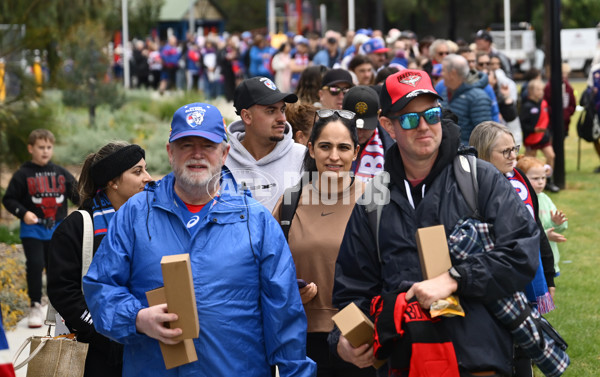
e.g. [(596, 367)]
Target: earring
[(115, 187)]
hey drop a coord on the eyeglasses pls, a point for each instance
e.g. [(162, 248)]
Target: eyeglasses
[(335, 90), (506, 152), (326, 113), (442, 53), (483, 64), (410, 121)]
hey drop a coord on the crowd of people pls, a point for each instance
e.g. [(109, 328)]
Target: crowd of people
[(276, 209), (477, 88)]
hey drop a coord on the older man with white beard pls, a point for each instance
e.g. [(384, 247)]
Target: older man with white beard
[(250, 313)]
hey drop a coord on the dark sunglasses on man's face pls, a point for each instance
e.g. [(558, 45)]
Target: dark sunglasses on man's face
[(335, 90), (410, 121)]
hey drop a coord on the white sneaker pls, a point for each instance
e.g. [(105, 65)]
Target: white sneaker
[(36, 316)]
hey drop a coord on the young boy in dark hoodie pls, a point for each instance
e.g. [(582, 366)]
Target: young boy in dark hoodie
[(37, 194)]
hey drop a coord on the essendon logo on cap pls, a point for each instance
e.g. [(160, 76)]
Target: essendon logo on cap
[(361, 108), (409, 79)]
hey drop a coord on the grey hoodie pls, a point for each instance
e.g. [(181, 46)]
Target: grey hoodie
[(268, 177)]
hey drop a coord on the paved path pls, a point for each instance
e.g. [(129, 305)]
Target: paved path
[(17, 336)]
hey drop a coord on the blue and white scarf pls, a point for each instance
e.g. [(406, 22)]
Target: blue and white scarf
[(102, 212)]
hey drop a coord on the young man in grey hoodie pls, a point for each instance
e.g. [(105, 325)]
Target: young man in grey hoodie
[(263, 154)]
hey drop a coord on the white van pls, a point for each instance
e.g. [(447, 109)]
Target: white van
[(578, 47)]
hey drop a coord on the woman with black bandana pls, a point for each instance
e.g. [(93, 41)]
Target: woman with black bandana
[(108, 178)]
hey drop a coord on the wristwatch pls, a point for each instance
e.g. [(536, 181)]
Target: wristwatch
[(454, 274)]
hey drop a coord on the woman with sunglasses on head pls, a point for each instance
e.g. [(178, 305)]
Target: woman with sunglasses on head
[(495, 143), (327, 194), (108, 178)]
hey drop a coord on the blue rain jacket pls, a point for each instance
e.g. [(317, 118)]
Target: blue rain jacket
[(249, 308)]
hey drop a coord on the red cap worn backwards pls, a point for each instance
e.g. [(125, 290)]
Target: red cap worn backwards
[(402, 87)]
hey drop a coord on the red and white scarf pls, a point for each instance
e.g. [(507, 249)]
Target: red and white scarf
[(371, 159)]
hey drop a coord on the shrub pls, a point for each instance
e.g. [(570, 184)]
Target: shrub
[(9, 235), (14, 300)]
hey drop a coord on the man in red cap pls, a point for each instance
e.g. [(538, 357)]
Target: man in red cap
[(424, 191)]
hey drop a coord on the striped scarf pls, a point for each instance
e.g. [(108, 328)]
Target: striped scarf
[(537, 290), (371, 158), (102, 212)]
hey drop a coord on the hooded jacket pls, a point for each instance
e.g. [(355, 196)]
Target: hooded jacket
[(481, 343), (268, 177), (249, 308), (43, 190), (470, 103)]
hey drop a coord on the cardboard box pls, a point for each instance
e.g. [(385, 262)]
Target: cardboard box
[(433, 251), (178, 354), (180, 294), (356, 327)]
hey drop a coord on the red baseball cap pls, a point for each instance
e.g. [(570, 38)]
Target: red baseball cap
[(402, 87)]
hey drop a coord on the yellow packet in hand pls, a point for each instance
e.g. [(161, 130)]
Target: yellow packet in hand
[(448, 307)]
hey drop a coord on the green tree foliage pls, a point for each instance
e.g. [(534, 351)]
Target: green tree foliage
[(142, 14), (84, 76), (48, 21), (244, 15), (580, 13), (20, 113)]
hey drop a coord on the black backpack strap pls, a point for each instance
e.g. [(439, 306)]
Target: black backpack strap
[(288, 207), (465, 170)]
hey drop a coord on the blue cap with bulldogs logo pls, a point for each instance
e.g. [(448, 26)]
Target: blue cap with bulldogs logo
[(374, 46), (198, 119)]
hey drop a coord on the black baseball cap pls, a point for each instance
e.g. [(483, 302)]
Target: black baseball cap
[(484, 34), (336, 76), (364, 102), (259, 91)]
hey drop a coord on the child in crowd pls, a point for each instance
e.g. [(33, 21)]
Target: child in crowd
[(568, 96), (37, 194), (553, 220), (535, 123)]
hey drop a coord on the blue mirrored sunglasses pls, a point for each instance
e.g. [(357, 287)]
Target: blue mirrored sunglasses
[(410, 121)]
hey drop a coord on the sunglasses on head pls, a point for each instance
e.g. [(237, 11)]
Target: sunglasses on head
[(335, 90), (326, 113), (410, 121)]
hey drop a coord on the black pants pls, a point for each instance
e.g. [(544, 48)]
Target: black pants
[(329, 365), (36, 259)]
